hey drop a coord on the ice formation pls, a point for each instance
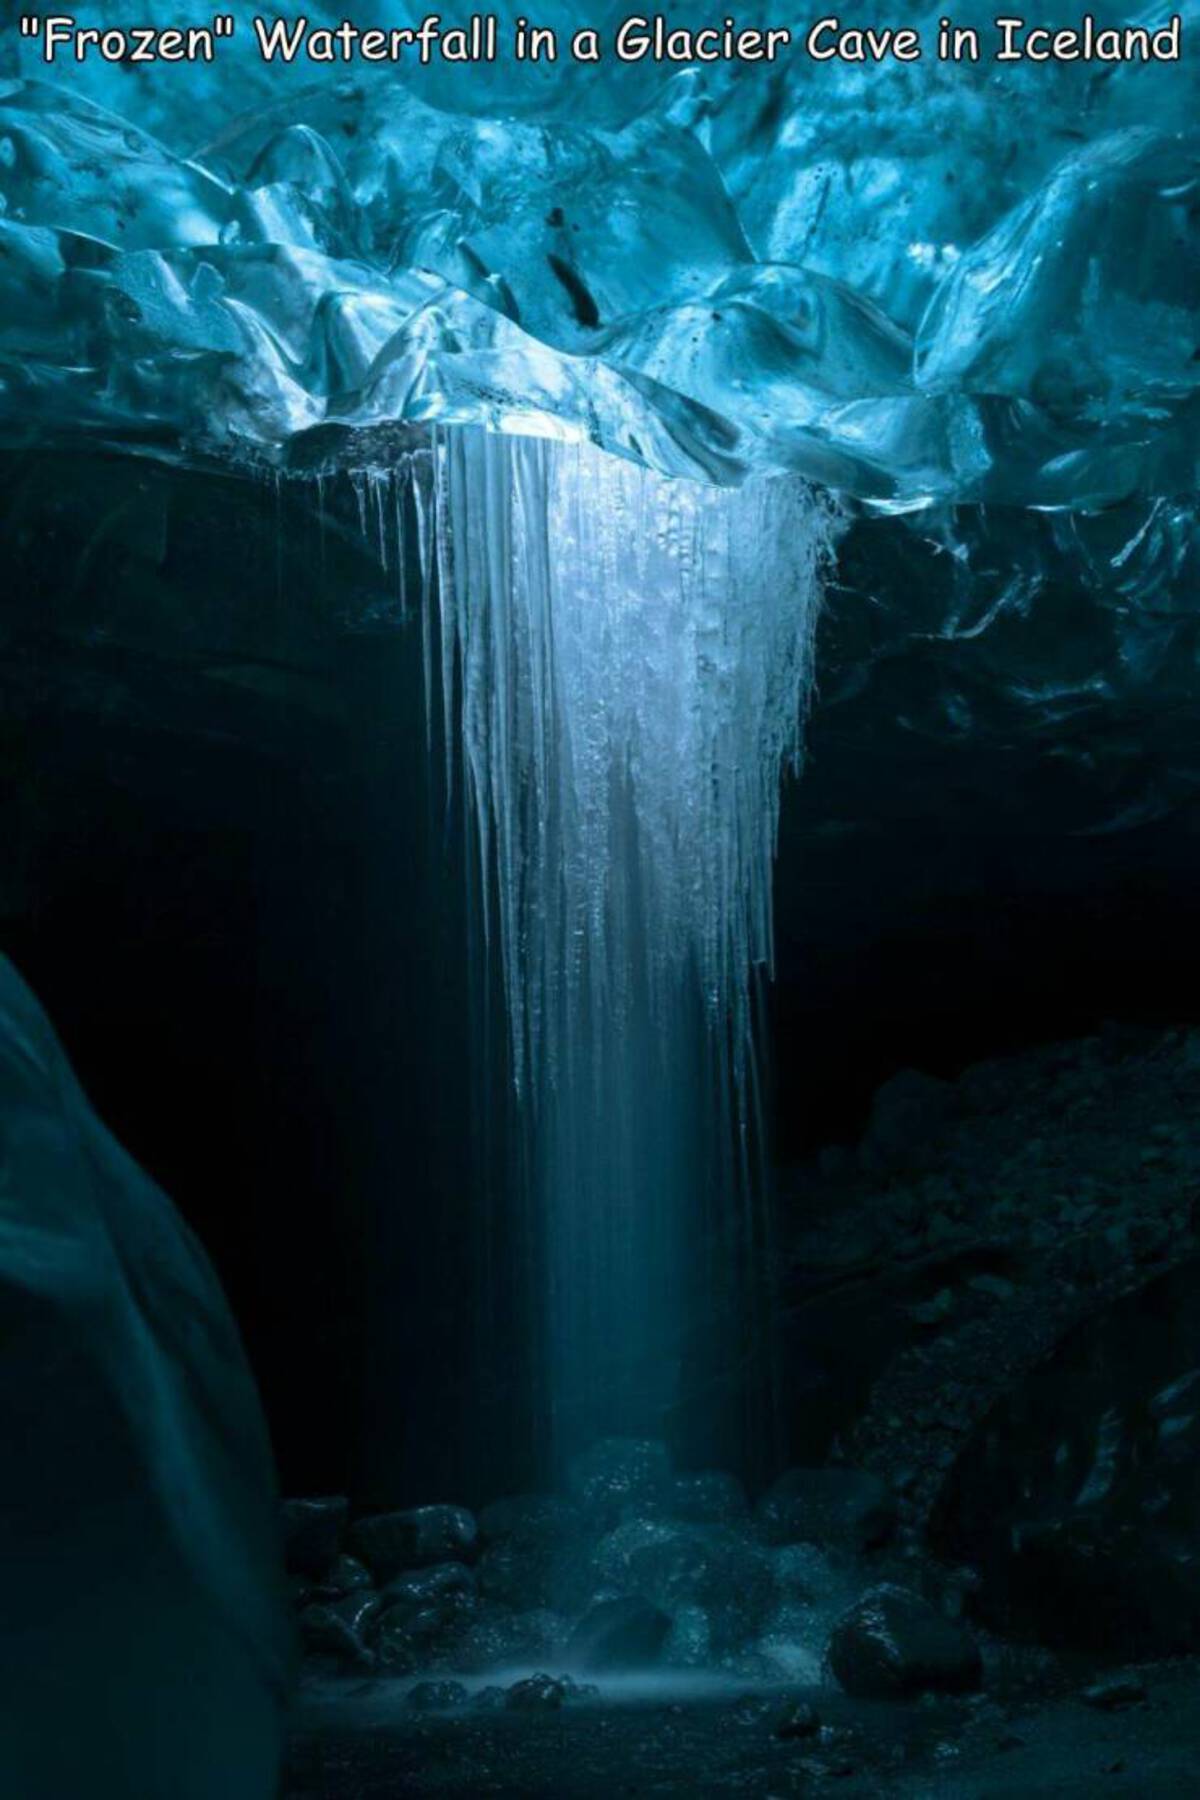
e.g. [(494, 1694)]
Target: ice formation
[(624, 665), (146, 1645), (915, 283)]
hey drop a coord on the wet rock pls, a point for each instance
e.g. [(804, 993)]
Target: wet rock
[(805, 1572), (617, 1474), (390, 1543), (892, 1645), (339, 1628), (531, 1542), (526, 1518), (546, 1693), (312, 1533), (619, 1634), (490, 1699), (345, 1575), (437, 1696), (799, 1720), (674, 1565), (712, 1497), (498, 1639), (445, 1582), (1115, 1695), (422, 1611), (1077, 1498), (846, 1507)]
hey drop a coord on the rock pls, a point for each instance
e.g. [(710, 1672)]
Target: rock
[(496, 1640), (526, 1518), (799, 1720), (1116, 1694), (339, 1627), (892, 1645), (437, 1696), (712, 1497), (530, 1545), (804, 1572), (345, 1575), (674, 1565), (619, 1634), (1077, 1497), (421, 1611), (312, 1533), (617, 1474), (905, 1113), (390, 1543), (425, 1587), (845, 1507), (546, 1693), (490, 1699), (146, 1633)]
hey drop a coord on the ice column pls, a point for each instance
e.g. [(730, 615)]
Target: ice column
[(624, 662)]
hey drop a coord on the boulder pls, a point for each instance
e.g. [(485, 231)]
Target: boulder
[(531, 1545), (892, 1644), (340, 1627), (545, 1693), (345, 1575), (312, 1533), (392, 1542), (424, 1613), (497, 1639), (625, 1634), (848, 1508), (147, 1643), (673, 1565), (618, 1475), (711, 1497), (528, 1518)]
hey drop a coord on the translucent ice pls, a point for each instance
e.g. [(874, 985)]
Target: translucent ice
[(629, 658), (914, 283)]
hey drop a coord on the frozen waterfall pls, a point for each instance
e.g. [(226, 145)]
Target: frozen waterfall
[(618, 667)]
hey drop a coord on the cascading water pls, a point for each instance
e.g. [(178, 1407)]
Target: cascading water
[(624, 665)]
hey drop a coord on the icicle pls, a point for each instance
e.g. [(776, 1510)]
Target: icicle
[(624, 662)]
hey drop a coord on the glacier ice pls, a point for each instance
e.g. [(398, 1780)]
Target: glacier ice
[(624, 665), (145, 1646), (915, 284)]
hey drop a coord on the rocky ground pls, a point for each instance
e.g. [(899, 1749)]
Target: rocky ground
[(993, 1321)]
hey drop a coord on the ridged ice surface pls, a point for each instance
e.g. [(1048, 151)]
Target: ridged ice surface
[(625, 662), (910, 283)]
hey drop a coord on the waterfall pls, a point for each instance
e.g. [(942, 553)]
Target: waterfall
[(619, 664)]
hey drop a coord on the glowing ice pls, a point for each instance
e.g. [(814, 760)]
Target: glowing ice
[(632, 657)]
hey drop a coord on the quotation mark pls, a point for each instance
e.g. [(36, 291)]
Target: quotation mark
[(140, 43)]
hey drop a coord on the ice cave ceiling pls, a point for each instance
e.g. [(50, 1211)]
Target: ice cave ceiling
[(965, 295), (912, 283)]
